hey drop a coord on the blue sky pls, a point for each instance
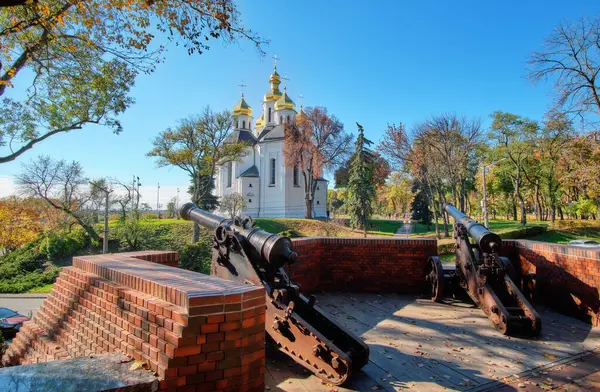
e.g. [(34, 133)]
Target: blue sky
[(373, 62)]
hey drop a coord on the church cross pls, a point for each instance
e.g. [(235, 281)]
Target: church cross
[(285, 79), (301, 98), (275, 58), (242, 86)]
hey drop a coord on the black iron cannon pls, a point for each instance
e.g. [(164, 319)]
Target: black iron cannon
[(488, 278), (299, 328)]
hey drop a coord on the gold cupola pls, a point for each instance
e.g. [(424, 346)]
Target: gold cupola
[(285, 102), (242, 108), (274, 93)]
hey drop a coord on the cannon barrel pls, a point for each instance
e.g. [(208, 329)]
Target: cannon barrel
[(488, 242), (273, 248)]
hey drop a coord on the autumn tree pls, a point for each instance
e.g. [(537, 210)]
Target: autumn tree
[(571, 59), (62, 185), (314, 143), (361, 190), (197, 145), (233, 203), (78, 59), (20, 223)]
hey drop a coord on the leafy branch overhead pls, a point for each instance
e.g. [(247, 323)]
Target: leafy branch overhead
[(83, 57)]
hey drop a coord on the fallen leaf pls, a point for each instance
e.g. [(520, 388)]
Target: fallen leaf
[(550, 356), (140, 365)]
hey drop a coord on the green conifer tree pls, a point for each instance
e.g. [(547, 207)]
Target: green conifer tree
[(361, 189)]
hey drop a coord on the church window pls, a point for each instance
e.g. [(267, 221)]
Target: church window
[(317, 202), (269, 115), (244, 124), (249, 185), (280, 120), (229, 174), (317, 188), (249, 200), (296, 175), (288, 119), (272, 177)]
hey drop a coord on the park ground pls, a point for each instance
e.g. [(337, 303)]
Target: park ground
[(175, 234)]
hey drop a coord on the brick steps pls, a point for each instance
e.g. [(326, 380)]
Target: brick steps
[(219, 346)]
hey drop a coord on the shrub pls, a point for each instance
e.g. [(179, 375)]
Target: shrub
[(289, 234), (196, 257), (57, 245)]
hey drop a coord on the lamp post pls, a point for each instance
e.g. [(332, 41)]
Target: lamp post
[(106, 193), (157, 198)]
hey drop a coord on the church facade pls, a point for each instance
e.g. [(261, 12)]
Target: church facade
[(270, 189)]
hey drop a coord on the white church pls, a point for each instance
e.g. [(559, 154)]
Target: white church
[(270, 189)]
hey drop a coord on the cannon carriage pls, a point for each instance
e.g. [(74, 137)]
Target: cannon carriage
[(298, 327), (489, 279)]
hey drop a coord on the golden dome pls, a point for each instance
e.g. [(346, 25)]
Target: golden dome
[(301, 115), (274, 93), (242, 108), (285, 102), (260, 122)]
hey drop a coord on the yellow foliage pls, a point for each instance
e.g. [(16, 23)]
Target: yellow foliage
[(19, 224)]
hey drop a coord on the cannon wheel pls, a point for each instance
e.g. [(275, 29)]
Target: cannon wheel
[(509, 269), (434, 276)]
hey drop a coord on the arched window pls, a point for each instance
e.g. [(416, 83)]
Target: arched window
[(280, 120), (250, 185), (296, 175), (244, 124), (249, 200), (269, 115), (288, 119), (272, 176), (229, 174)]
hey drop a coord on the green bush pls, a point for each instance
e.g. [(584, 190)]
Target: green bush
[(289, 234), (196, 257), (25, 268), (57, 245)]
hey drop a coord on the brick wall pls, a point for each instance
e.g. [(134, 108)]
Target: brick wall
[(380, 265), (196, 332), (564, 277)]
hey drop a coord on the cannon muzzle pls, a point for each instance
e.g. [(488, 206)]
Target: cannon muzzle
[(273, 248), (488, 242)]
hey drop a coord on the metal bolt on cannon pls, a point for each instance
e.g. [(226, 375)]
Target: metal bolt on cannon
[(299, 328), (489, 279)]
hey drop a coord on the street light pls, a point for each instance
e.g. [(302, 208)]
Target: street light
[(485, 209), (107, 193)]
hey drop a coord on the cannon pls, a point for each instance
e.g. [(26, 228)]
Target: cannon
[(297, 326), (488, 278)]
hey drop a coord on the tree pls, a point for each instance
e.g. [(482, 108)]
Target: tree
[(512, 135), (314, 143), (233, 203), (197, 145), (571, 57), (381, 171), (361, 190), (82, 57), (62, 185)]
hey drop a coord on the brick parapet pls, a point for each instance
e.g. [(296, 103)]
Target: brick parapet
[(195, 331), (561, 276), (362, 264)]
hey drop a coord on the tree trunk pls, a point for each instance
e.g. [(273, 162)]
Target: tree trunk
[(309, 204), (435, 211), (444, 216), (514, 208), (462, 195), (196, 233), (538, 213)]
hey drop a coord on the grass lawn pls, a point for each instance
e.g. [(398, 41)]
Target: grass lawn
[(562, 235), (497, 226), (41, 289), (384, 227)]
